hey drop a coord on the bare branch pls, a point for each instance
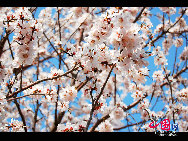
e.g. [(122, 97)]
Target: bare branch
[(138, 16), (21, 114)]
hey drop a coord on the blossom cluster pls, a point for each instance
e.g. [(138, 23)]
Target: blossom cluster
[(25, 30)]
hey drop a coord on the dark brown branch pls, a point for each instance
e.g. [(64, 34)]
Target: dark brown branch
[(102, 11), (58, 12), (98, 97), (102, 89), (129, 125), (21, 114), (99, 122), (175, 61), (32, 9), (18, 70), (133, 104), (176, 75), (43, 80), (82, 84), (164, 32), (10, 48), (25, 96), (115, 89), (152, 93), (76, 29), (35, 116), (50, 43), (59, 118), (37, 102), (138, 16), (81, 37), (169, 83), (2, 42), (58, 87)]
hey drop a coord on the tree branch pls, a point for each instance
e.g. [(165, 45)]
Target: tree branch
[(164, 32), (98, 97), (59, 118), (21, 114), (138, 16), (43, 80), (3, 41)]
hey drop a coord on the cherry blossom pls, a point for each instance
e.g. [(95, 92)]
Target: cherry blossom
[(92, 69), (105, 127)]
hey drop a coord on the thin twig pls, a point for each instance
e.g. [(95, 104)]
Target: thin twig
[(35, 116), (21, 114), (138, 16), (115, 89)]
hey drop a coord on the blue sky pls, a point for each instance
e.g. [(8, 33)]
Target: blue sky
[(128, 100)]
